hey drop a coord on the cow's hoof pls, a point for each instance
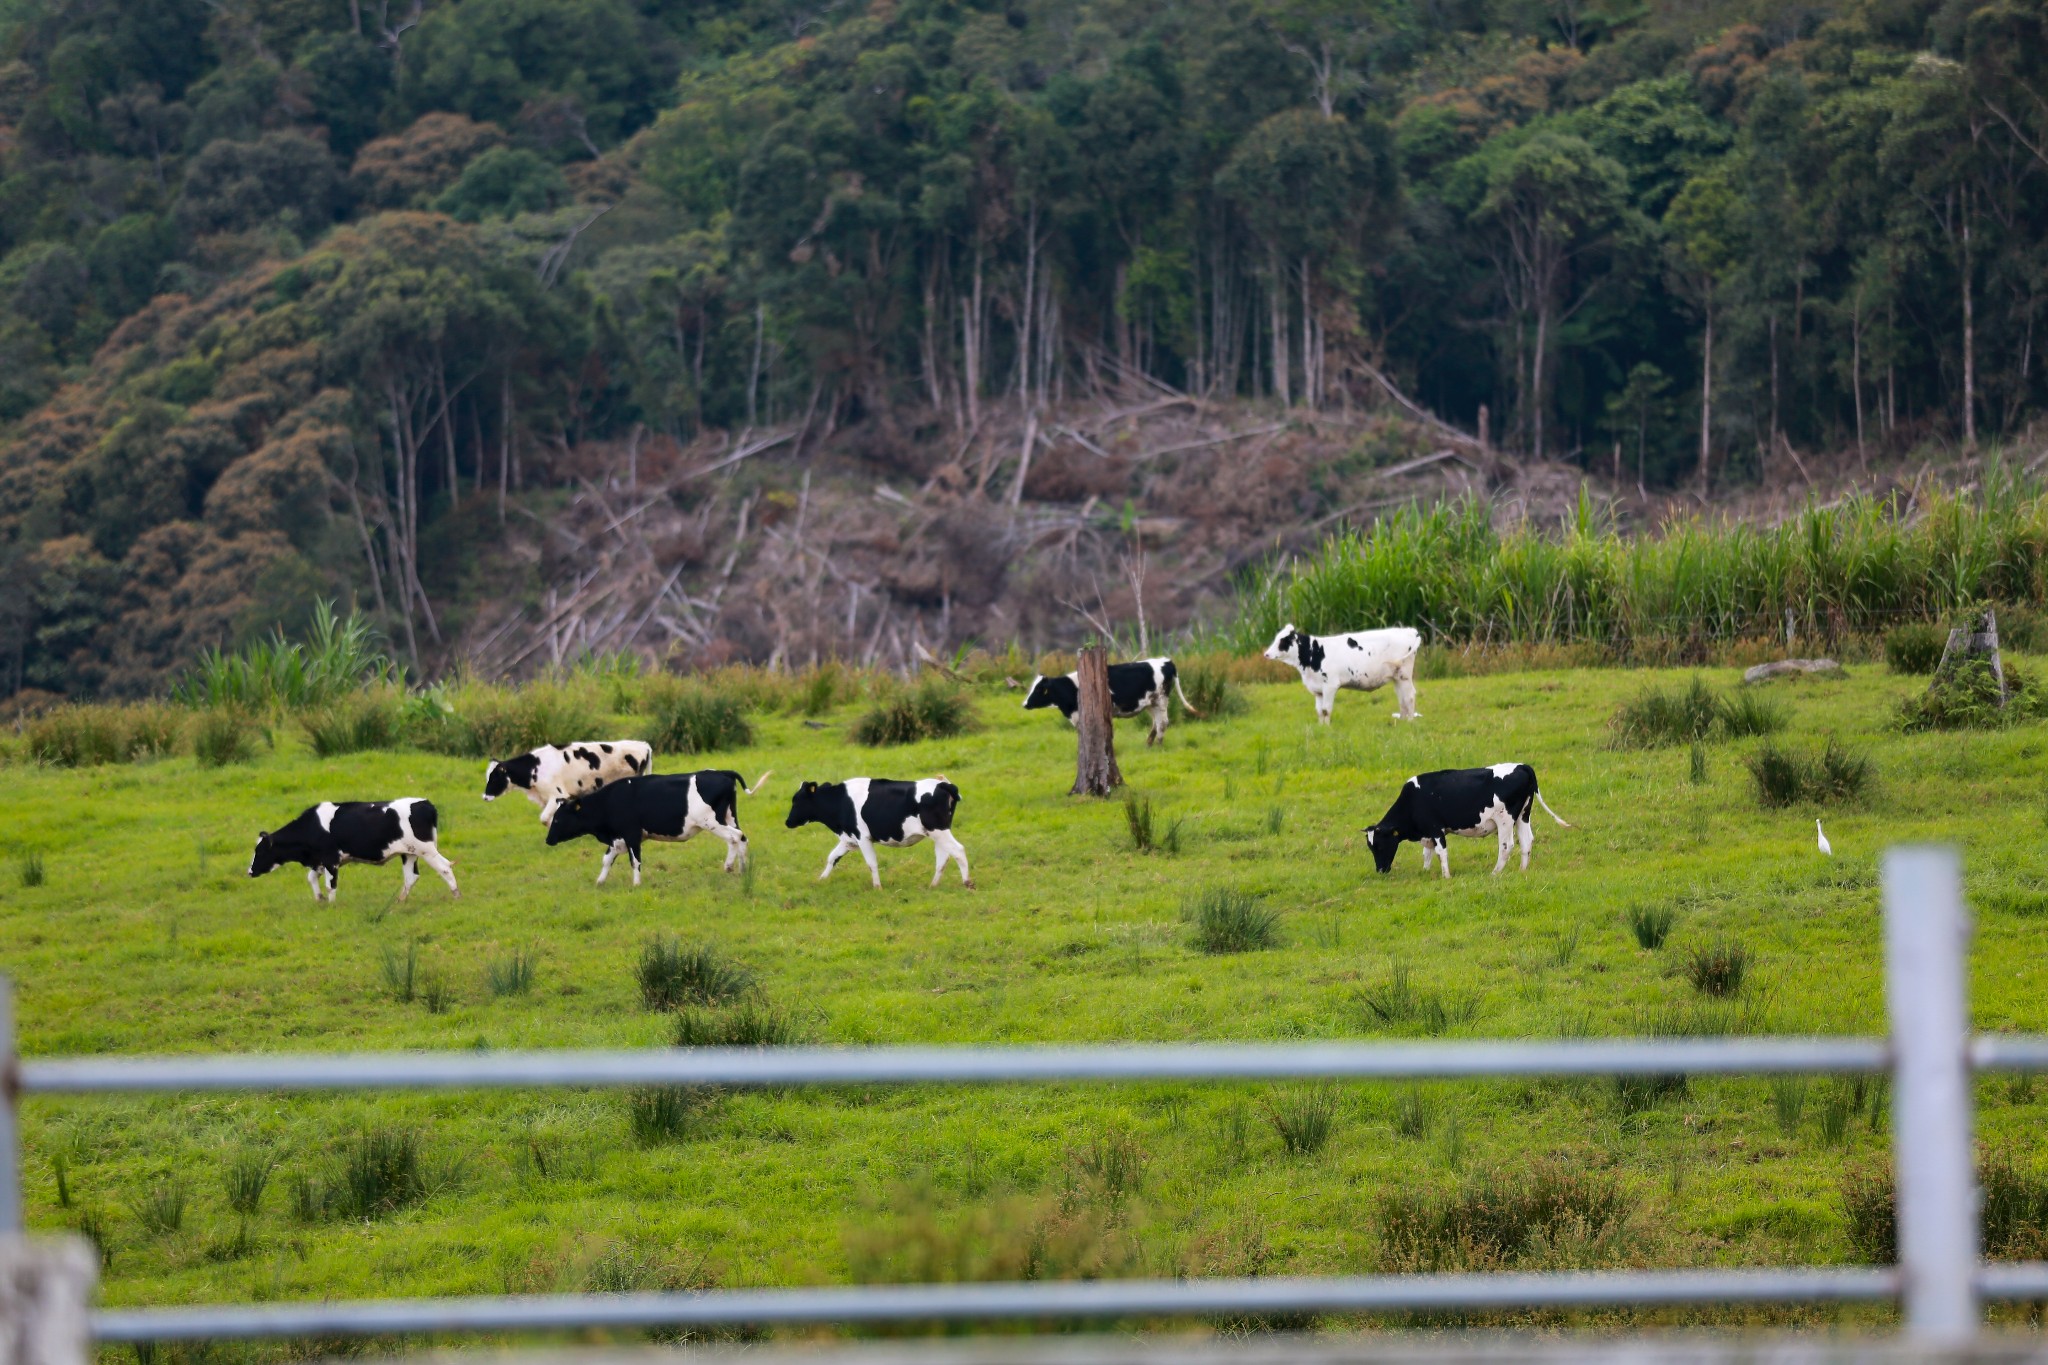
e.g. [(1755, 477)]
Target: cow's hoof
[(967, 886), (454, 893)]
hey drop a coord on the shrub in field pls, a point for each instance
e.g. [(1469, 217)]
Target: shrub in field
[(1494, 1219), (483, 721), (1115, 1162), (162, 1209), (931, 708), (380, 1174), (1785, 777), (1398, 1003), (1657, 717), (749, 1024), (223, 736), (697, 720), (1788, 1102), (354, 724), (1748, 712), (1013, 1239), (31, 870), (92, 1226), (1915, 648), (87, 736), (511, 975), (1966, 697), (1226, 920), (1870, 1213), (665, 1113), (1651, 924), (402, 974), (672, 975), (1146, 834), (1413, 1112), (272, 673), (821, 689), (247, 1173), (1303, 1118), (1838, 1104), (1207, 682), (1718, 969), (2013, 1204)]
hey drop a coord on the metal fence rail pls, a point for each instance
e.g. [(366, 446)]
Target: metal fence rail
[(1939, 1281)]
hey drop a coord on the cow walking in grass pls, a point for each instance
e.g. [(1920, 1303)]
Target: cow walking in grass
[(865, 811), (668, 808), (550, 775), (325, 836), (1361, 660), (1148, 685), (1470, 801)]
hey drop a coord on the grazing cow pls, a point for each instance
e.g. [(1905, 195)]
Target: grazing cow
[(865, 811), (336, 832), (1469, 801), (1363, 660), (669, 808), (1146, 685), (549, 775)]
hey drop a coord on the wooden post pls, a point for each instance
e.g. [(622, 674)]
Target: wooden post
[(1095, 770)]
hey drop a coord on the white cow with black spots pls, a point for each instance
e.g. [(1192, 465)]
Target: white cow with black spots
[(1362, 660), (550, 775)]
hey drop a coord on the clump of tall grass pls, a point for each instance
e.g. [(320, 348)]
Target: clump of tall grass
[(1718, 969), (1788, 1102), (1785, 777), (161, 1209), (1114, 1162), (1914, 648), (1302, 1118), (821, 689), (274, 673), (1398, 1003), (353, 724), (1857, 567), (85, 736), (481, 720), (380, 1174), (930, 708), (1150, 833), (2013, 1209), (671, 975), (1966, 696), (511, 974), (223, 736), (1227, 920), (402, 974), (665, 1113), (1656, 717), (31, 870), (698, 720), (1495, 1218), (1651, 924), (748, 1024), (1207, 682), (246, 1176)]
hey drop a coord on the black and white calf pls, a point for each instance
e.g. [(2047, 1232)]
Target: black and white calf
[(865, 811), (1362, 660), (669, 808), (1134, 688), (336, 832), (1469, 801), (550, 775)]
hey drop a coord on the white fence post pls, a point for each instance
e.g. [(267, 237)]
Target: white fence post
[(10, 1105), (1926, 994)]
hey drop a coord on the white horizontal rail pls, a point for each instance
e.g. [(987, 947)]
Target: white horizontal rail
[(926, 1065), (997, 1302)]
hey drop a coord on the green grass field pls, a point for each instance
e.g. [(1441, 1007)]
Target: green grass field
[(147, 937)]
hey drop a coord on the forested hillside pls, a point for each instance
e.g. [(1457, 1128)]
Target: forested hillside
[(306, 298)]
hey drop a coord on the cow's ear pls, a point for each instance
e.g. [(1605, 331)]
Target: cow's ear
[(261, 835)]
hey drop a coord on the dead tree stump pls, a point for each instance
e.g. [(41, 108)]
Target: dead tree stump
[(1095, 770), (1965, 644)]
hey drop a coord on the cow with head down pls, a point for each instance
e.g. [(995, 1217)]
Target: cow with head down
[(1474, 802), (1144, 687)]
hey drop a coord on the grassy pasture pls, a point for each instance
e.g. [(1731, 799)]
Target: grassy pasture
[(145, 936)]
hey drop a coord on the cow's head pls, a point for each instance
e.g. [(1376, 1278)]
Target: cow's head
[(265, 858), (570, 821), (1282, 648), (1038, 695), (1382, 839), (804, 807), (1063, 694), (511, 772)]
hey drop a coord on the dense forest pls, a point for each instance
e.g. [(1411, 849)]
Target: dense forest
[(298, 293)]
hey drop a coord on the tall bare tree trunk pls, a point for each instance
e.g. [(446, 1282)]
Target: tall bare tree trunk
[(754, 370), (1773, 445), (1277, 301), (970, 344), (1095, 770), (1969, 338), (1536, 403), (1707, 393)]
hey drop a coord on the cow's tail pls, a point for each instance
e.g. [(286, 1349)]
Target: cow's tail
[(1551, 813), (759, 782), (1185, 703)]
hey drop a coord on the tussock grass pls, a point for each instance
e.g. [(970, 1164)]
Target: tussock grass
[(402, 973), (1788, 1102), (85, 736), (697, 719), (1658, 717), (511, 974), (1718, 969), (1651, 924), (477, 720), (380, 1174), (161, 1210), (223, 736), (930, 708), (2014, 1208), (665, 1113), (671, 975), (1207, 681), (1114, 1162), (1149, 832), (1784, 776), (1839, 1103), (1915, 648), (1303, 1118), (1414, 1113), (31, 870), (1398, 1003), (245, 1178), (1226, 920), (358, 723), (1495, 1218), (748, 1024)]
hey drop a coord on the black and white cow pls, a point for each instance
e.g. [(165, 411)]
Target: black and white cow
[(668, 808), (550, 775), (1146, 685), (1362, 660), (865, 811), (336, 832), (1469, 801)]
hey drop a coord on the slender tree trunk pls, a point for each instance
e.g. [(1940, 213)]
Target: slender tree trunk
[(504, 441), (1095, 769), (1707, 393), (1856, 375), (754, 370), (1536, 403), (697, 377), (1311, 395), (970, 343), (448, 442), (1774, 382), (1277, 302), (1969, 338), (1030, 301)]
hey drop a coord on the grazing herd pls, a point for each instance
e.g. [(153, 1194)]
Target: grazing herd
[(607, 790)]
